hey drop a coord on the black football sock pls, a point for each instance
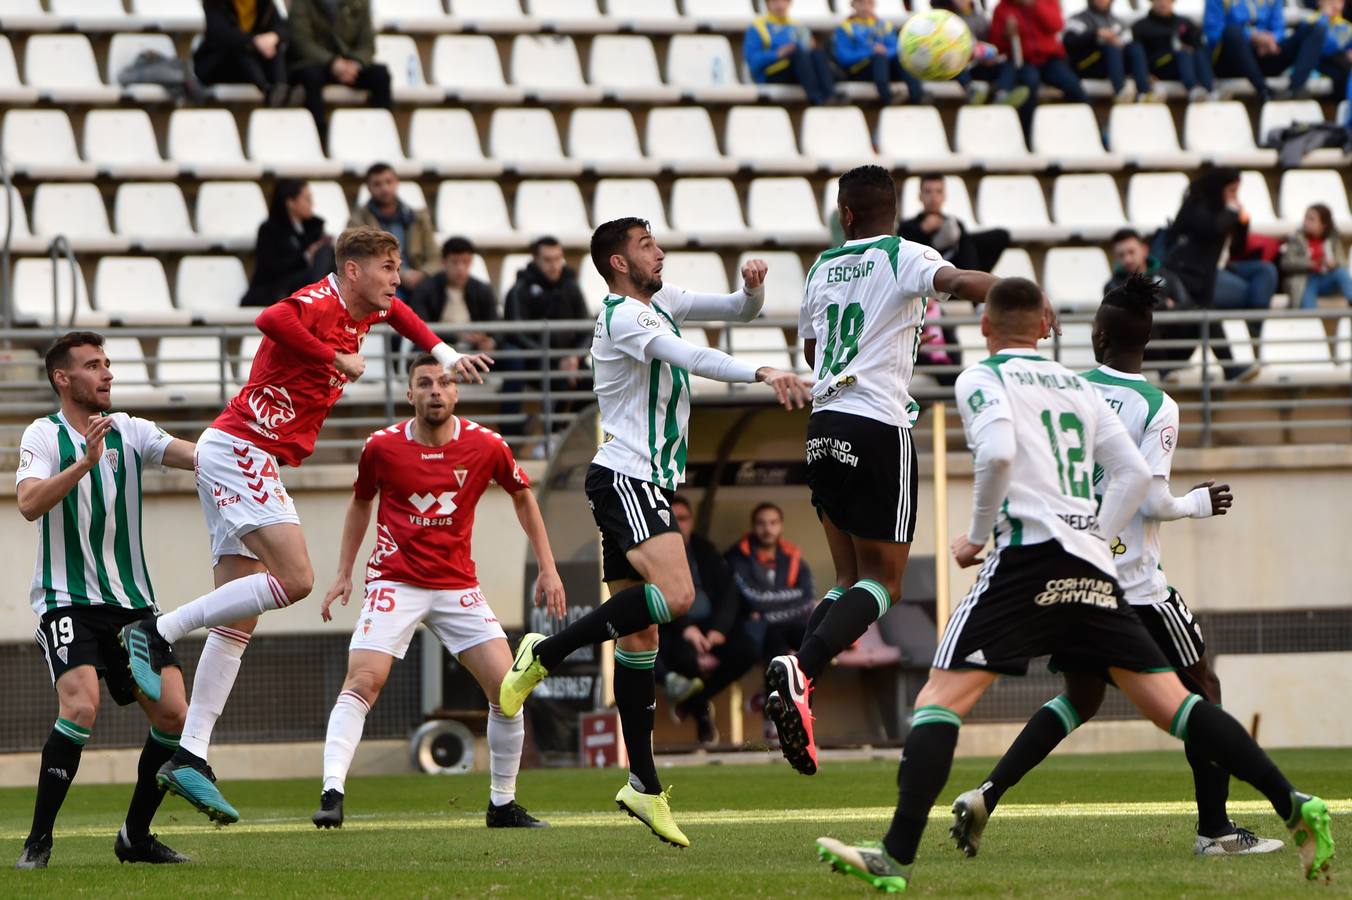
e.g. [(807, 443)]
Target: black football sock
[(146, 797), (60, 762), (1212, 786), (925, 762), (636, 699), (632, 609), (1217, 736), (1048, 727), (846, 620), (820, 610)]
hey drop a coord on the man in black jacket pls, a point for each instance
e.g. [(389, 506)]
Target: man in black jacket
[(1175, 48), (977, 250), (1131, 256), (547, 290), (454, 297), (244, 43), (703, 651)]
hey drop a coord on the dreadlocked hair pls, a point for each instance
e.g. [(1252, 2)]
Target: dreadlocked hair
[(1139, 294)]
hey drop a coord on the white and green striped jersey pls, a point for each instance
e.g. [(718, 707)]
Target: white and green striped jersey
[(1058, 419), (645, 406), (864, 305), (89, 545), (1151, 418)]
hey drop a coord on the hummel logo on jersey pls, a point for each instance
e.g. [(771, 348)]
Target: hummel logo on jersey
[(445, 502), (433, 456), (976, 658)]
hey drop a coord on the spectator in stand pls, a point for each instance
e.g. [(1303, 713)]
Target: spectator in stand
[(413, 227), (1335, 60), (1210, 226), (244, 43), (979, 250), (547, 290), (865, 48), (292, 249), (1131, 256), (703, 651), (1249, 40), (1100, 45), (779, 50), (1175, 49), (454, 297), (1029, 32), (991, 74), (1315, 257), (775, 584), (334, 42)]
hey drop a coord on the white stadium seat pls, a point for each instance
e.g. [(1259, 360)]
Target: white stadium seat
[(154, 217), (360, 137), (77, 212), (1153, 198), (957, 203), (286, 143), (447, 140), (1088, 204), (1302, 187), (784, 282), (625, 67), (1074, 348), (122, 144), (189, 368), (993, 135), (547, 68), (618, 197), (1016, 202), (40, 143), (469, 67), (761, 137), (758, 346), (206, 143), (1296, 349), (552, 208), (27, 14), (210, 288), (646, 15), (332, 205), (399, 54), (1068, 133), (1015, 263), (408, 15), (562, 10), (786, 210), (1278, 114), (1073, 277), (708, 210), (477, 210), (1144, 135), (123, 49), (915, 136), (837, 137), (1223, 134), (488, 13), (21, 237), (703, 65), (33, 294), (527, 141), (696, 271), (1257, 201), (89, 14), (724, 13), (606, 140), (228, 213), (681, 138), (12, 90), (132, 290), (130, 372), (170, 15)]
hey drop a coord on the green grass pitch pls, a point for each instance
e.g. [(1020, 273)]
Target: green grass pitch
[(1116, 825)]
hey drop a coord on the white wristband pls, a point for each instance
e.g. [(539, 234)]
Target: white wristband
[(1201, 502), (446, 355)]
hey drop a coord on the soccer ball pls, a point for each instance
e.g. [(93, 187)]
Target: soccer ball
[(935, 45)]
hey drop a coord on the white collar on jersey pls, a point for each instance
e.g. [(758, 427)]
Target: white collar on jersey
[(1017, 351), (333, 283), (866, 240), (408, 431), (1129, 376)]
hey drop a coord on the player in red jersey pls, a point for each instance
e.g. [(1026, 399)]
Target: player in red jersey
[(429, 473), (310, 352)]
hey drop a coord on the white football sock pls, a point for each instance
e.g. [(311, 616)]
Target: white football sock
[(242, 598), (505, 737), (345, 727), (211, 685)]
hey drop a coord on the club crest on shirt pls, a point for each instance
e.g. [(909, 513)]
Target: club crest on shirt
[(365, 627), (664, 516), (63, 654), (113, 457), (461, 473)]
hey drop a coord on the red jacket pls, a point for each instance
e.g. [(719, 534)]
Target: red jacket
[(1040, 26)]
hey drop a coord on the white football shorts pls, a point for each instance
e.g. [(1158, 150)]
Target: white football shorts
[(392, 611), (240, 489)]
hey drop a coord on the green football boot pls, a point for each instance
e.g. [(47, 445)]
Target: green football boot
[(869, 862), (1311, 830)]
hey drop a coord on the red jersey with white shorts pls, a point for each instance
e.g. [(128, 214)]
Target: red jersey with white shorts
[(427, 501), (293, 384)]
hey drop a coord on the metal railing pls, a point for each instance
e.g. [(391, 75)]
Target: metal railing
[(1303, 386)]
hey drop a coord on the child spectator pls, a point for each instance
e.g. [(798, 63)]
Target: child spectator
[(779, 50), (1249, 40), (991, 74), (1034, 28), (1315, 255), (865, 47), (1335, 61), (1100, 46), (1174, 49)]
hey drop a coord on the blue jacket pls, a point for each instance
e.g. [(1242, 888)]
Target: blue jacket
[(1339, 38), (1265, 15), (852, 45), (763, 40)]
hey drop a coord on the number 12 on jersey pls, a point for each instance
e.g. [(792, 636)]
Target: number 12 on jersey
[(843, 328), (1070, 472)]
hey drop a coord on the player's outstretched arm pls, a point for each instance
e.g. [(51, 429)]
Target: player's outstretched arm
[(548, 586), (408, 323), (967, 284), (179, 454), (1205, 500), (742, 306), (37, 496), (354, 529), (707, 362)]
